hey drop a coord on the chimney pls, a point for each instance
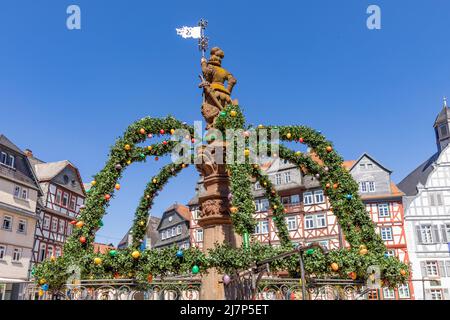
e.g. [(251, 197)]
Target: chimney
[(28, 153)]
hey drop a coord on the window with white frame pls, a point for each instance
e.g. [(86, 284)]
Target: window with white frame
[(321, 220), (17, 254), (258, 185), (7, 159), (61, 226), (369, 166), (196, 214), (432, 268), (447, 232), (262, 205), (426, 233), (199, 235), (7, 223), (2, 251), (69, 229), (65, 199), (174, 232), (295, 198), (286, 200), (287, 177), (403, 291), (367, 186), (262, 227), (22, 226), (388, 293), (3, 157), (16, 191), (318, 196), (58, 197), (386, 233), (46, 222), (313, 221), (73, 201), (50, 251), (58, 252), (278, 178), (54, 224), (163, 235), (307, 198), (436, 294), (291, 223), (383, 210), (309, 222), (179, 230), (42, 250)]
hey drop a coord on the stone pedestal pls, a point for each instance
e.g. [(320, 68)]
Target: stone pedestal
[(214, 217)]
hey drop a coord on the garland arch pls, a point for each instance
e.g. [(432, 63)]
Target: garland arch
[(365, 246)]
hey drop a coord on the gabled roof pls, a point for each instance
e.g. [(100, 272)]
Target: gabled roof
[(181, 210), (49, 170), (46, 171), (7, 143), (418, 176), (350, 164)]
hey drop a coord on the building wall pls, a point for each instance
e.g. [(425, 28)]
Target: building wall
[(169, 221), (7, 195), (430, 207), (19, 210)]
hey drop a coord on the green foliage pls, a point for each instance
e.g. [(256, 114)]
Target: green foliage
[(339, 186)]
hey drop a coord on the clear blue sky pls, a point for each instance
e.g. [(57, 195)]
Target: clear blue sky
[(69, 94)]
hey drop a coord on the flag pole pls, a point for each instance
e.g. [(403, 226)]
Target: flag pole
[(203, 41)]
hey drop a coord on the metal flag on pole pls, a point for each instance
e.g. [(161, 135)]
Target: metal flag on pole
[(196, 33)]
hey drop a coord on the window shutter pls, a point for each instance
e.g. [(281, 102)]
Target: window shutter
[(423, 268), (443, 234), (441, 265), (447, 267), (427, 294), (418, 235), (435, 234), (446, 295), (431, 198)]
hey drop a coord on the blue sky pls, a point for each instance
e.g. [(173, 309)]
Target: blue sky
[(69, 94)]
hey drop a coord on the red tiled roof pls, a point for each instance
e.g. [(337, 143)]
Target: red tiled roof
[(102, 248)]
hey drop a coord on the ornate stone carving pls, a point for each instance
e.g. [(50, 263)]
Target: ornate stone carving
[(214, 207)]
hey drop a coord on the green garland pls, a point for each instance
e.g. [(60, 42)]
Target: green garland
[(338, 184)]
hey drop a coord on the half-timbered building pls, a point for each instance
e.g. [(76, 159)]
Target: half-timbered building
[(383, 200), (63, 196), (308, 217)]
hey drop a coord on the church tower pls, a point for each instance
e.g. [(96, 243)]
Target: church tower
[(442, 127)]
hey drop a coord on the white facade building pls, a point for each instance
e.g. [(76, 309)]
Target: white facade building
[(427, 218)]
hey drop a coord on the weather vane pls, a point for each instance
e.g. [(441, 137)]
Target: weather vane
[(196, 33)]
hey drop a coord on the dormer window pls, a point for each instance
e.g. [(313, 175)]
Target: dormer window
[(443, 130), (7, 159)]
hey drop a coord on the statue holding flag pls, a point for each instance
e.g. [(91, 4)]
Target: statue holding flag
[(216, 95)]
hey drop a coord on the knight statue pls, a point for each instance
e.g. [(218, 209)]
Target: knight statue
[(215, 95)]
